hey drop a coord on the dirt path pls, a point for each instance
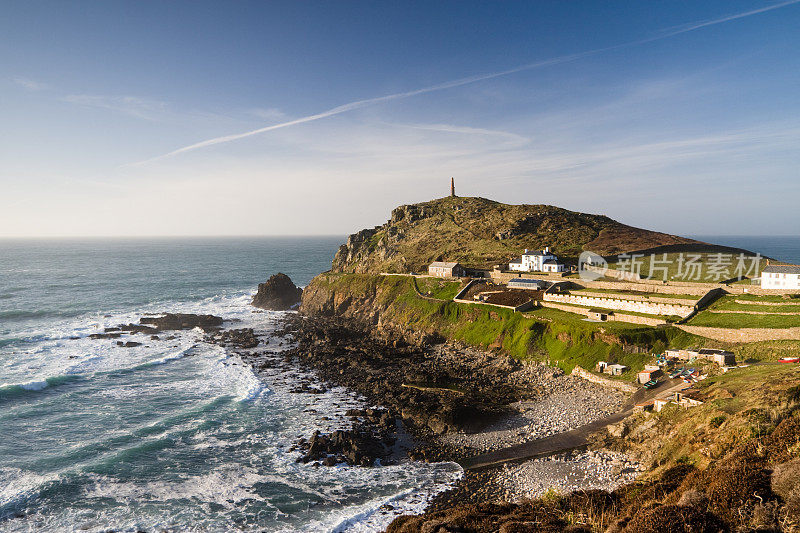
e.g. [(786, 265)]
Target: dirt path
[(569, 440)]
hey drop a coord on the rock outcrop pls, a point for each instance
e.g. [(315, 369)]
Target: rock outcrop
[(278, 293), (477, 231), (177, 321)]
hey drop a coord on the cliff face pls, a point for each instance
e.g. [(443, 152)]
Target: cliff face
[(370, 301), (481, 232)]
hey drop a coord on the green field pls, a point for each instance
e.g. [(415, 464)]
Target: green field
[(438, 288), (738, 320), (746, 319), (729, 303)]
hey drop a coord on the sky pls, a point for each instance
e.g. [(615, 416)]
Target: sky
[(144, 118)]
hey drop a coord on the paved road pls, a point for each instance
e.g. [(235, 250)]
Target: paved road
[(569, 440)]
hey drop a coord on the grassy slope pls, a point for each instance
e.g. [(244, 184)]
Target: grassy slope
[(548, 335), (735, 411)]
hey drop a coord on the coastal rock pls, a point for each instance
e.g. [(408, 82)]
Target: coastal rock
[(278, 293), (360, 446), (177, 321), (239, 338), (437, 389)]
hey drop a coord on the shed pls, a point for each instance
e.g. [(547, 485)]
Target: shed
[(599, 314), (660, 403), (721, 357), (647, 375), (616, 370)]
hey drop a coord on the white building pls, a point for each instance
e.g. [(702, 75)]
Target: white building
[(780, 277), (536, 261)]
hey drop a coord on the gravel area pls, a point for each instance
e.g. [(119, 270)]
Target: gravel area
[(567, 402), (566, 473)]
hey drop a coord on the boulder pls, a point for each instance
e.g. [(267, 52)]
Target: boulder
[(279, 293)]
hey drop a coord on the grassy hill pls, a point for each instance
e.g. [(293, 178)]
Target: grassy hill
[(479, 232)]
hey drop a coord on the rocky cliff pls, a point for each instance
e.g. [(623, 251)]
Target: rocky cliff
[(481, 232)]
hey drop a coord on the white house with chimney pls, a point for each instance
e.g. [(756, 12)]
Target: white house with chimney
[(780, 277), (537, 261)]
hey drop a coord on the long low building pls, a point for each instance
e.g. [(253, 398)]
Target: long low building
[(525, 283), (721, 357)]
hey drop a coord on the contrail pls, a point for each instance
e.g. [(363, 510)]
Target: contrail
[(358, 104)]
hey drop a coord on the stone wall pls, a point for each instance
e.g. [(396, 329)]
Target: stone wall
[(634, 306), (616, 317), (743, 334), (604, 381)]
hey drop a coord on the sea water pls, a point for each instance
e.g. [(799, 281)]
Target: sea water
[(177, 433)]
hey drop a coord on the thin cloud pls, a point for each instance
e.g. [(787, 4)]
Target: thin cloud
[(129, 105), (697, 25), (358, 104), (27, 83), (449, 128)]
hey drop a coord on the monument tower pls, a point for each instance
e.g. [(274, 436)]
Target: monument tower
[(452, 187)]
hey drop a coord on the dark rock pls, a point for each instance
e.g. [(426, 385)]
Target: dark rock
[(105, 335), (277, 294), (129, 344), (360, 446), (434, 390), (240, 338), (177, 321)]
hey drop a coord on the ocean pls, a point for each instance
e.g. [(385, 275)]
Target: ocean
[(175, 434), (783, 248)]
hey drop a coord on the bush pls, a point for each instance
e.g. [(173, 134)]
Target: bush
[(675, 519), (717, 421)]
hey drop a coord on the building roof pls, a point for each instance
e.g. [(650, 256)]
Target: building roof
[(550, 262), (517, 261), (708, 351), (525, 281), (536, 252), (782, 269), (442, 264)]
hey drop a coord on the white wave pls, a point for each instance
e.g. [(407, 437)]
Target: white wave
[(17, 485), (35, 385)]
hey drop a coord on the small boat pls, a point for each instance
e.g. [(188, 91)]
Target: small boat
[(789, 360)]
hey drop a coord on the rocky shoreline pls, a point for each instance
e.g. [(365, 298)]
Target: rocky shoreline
[(457, 401)]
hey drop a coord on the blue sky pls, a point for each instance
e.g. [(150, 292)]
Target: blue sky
[(258, 118)]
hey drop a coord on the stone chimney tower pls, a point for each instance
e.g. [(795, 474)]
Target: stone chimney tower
[(452, 187)]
